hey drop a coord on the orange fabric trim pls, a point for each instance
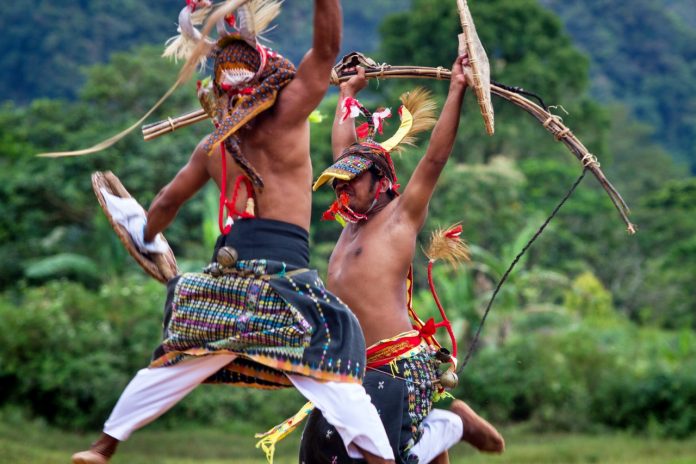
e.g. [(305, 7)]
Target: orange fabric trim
[(268, 361)]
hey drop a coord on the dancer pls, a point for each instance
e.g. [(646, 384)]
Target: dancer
[(257, 317), (368, 270)]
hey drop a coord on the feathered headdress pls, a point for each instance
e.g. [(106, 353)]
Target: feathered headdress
[(240, 85), (417, 115), (239, 24)]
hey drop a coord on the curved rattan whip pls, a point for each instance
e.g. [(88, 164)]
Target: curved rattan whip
[(549, 121)]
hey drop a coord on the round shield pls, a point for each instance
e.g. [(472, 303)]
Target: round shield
[(161, 266)]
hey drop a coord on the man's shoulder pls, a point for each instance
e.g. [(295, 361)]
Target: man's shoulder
[(390, 221)]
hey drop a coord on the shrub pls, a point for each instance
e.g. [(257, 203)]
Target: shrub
[(588, 373), (66, 353)]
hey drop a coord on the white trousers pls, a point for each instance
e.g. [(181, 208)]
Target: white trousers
[(441, 430), (153, 391)]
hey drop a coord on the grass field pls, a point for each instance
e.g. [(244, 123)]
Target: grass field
[(33, 443)]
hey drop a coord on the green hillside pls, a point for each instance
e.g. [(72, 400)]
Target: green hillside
[(47, 44), (644, 57)]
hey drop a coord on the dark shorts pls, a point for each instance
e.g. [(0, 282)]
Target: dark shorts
[(402, 404)]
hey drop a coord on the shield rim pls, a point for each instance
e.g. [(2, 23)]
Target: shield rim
[(161, 266)]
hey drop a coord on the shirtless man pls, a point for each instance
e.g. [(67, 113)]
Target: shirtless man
[(256, 317), (368, 269)]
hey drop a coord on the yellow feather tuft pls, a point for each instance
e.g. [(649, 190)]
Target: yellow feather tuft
[(447, 244), (422, 106)]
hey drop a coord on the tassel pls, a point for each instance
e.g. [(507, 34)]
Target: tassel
[(350, 108), (379, 117), (441, 395), (182, 46), (362, 130), (447, 244), (419, 107), (268, 440), (393, 367)]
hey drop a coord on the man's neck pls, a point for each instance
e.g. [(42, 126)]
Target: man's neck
[(382, 202)]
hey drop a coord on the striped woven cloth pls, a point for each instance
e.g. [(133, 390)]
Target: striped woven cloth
[(278, 319)]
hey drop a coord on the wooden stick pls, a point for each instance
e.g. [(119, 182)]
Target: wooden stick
[(170, 122), (549, 121), (153, 131)]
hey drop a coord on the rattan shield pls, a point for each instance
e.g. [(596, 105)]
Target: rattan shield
[(161, 266), (480, 66)]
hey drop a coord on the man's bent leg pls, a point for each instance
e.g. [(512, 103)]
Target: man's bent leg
[(441, 430), (477, 431), (151, 393), (348, 408)]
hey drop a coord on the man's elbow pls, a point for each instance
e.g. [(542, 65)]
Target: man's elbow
[(165, 205)]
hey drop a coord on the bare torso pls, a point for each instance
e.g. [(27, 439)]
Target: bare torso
[(368, 270), (280, 155)]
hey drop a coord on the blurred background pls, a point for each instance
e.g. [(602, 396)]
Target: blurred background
[(589, 352)]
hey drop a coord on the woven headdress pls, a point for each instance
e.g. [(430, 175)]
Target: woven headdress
[(247, 75), (417, 115)]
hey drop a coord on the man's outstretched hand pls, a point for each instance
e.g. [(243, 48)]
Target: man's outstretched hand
[(128, 213), (462, 74), (355, 84)]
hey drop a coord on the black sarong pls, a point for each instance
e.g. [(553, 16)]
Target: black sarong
[(271, 311)]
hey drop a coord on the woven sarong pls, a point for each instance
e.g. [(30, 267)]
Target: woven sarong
[(277, 318), (402, 390)]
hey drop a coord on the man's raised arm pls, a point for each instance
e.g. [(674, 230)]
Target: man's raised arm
[(189, 180), (416, 196), (311, 82), (343, 133)]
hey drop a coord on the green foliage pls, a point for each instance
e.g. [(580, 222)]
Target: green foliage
[(658, 402), (46, 42), (572, 376), (588, 297), (669, 216), (525, 43), (75, 34), (556, 349), (31, 442), (64, 265), (470, 193), (66, 352), (48, 206)]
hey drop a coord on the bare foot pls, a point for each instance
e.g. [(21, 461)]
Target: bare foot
[(477, 431), (89, 457), (99, 453)]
